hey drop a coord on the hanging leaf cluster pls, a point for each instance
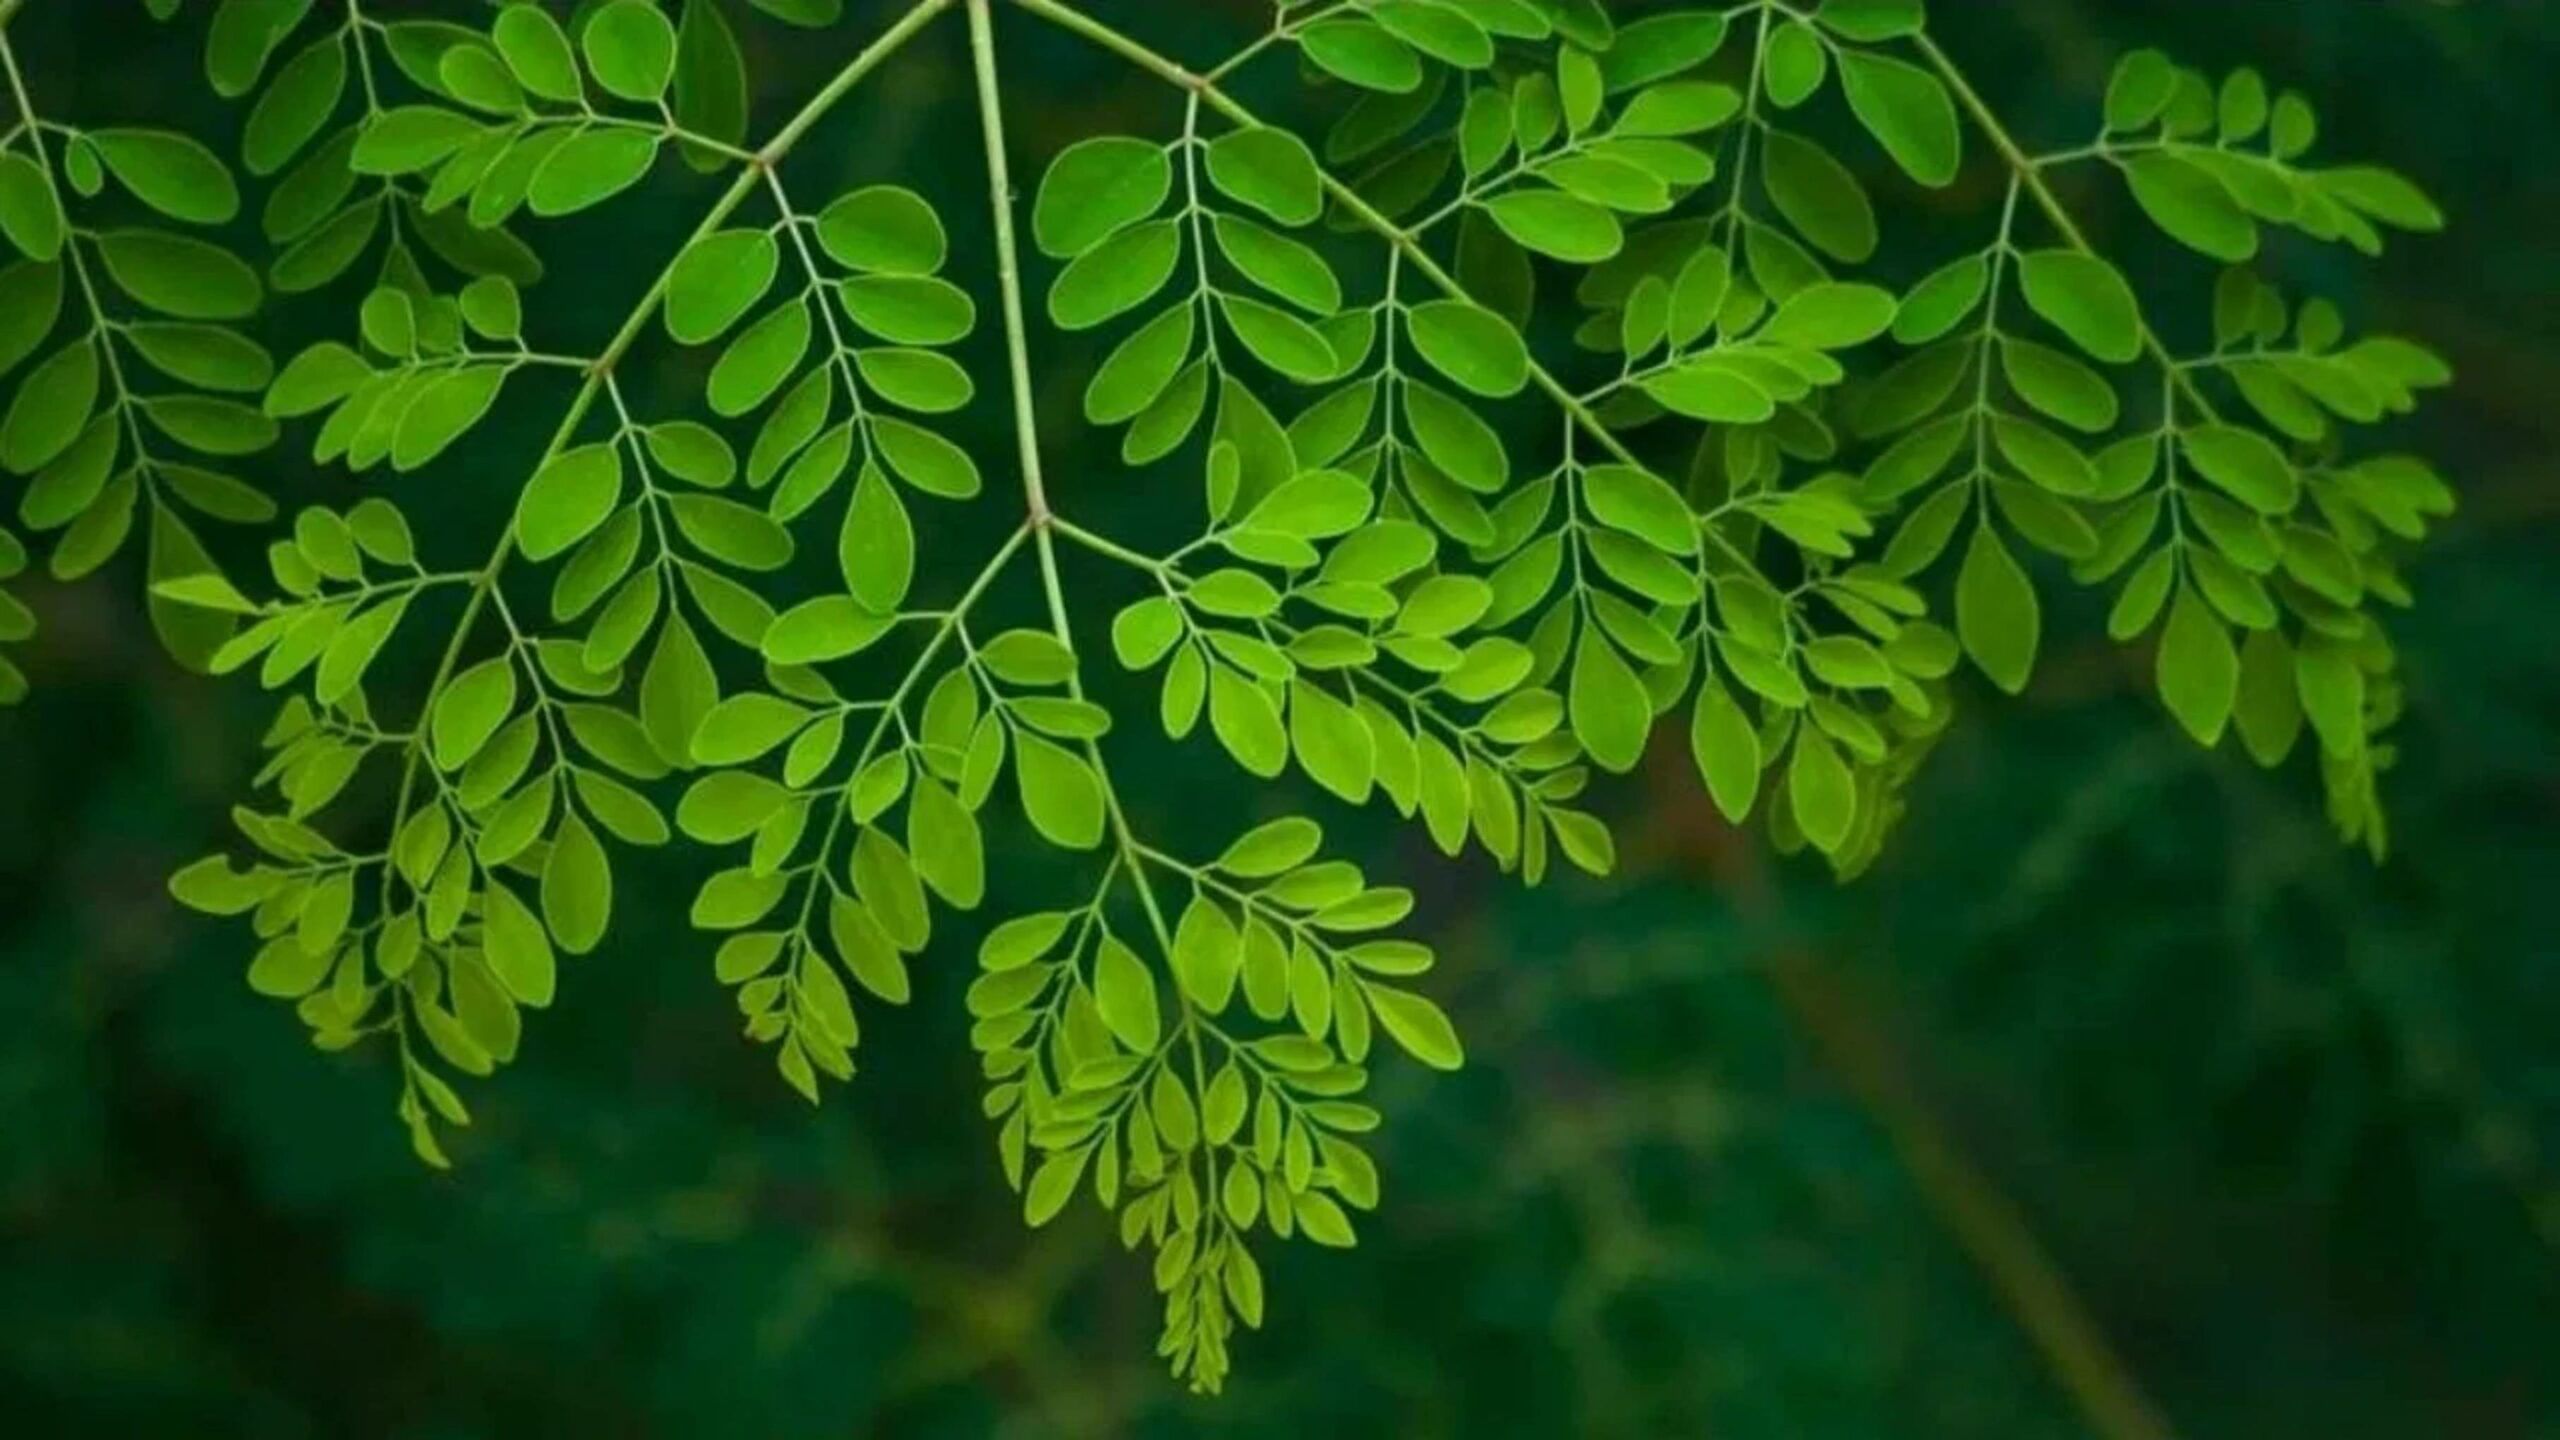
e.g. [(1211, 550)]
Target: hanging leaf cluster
[(1455, 558)]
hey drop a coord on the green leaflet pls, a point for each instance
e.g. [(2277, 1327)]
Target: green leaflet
[(1820, 197), (1909, 112), (1118, 275), (1472, 346), (30, 216), (1125, 993), (1611, 712), (1796, 63), (2140, 88), (1362, 53), (1280, 265), (590, 167), (1662, 46), (577, 888), (711, 97), (1821, 790), (883, 228), (171, 173), (1997, 613), (1280, 340), (1094, 189), (538, 54), (177, 276), (716, 280), (2086, 299), (52, 404), (1456, 439), (518, 947), (1270, 170), (909, 310), (2195, 208), (2244, 463), (1059, 792), (1558, 225), (567, 499), (2199, 671), (631, 49)]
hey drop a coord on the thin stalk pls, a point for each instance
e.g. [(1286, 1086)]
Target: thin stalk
[(828, 305), (1282, 29), (1017, 328), (663, 131), (1026, 424), (1734, 200), (1000, 193)]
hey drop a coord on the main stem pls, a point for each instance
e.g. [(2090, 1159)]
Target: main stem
[(1000, 192), (1026, 421), (1017, 329)]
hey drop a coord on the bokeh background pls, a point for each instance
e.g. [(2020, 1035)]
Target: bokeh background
[(2117, 1101)]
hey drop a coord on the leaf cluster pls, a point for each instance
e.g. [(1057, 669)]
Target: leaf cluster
[(1767, 491)]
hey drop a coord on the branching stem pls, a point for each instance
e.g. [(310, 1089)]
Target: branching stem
[(2029, 174), (1026, 417), (1000, 193), (750, 177)]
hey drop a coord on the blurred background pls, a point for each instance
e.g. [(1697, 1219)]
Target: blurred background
[(2117, 1101)]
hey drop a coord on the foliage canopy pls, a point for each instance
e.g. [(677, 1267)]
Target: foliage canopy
[(1548, 391)]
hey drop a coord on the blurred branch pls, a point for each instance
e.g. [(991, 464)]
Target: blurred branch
[(1991, 1228)]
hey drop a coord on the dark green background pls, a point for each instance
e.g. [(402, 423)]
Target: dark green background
[(2284, 1123)]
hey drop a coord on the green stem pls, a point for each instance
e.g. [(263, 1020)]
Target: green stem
[(842, 354), (354, 31), (1282, 29), (1017, 328), (663, 131), (1112, 549), (1733, 207), (1026, 415), (1987, 338), (1000, 193)]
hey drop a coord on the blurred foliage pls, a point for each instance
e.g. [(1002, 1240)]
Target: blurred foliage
[(2286, 1125)]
